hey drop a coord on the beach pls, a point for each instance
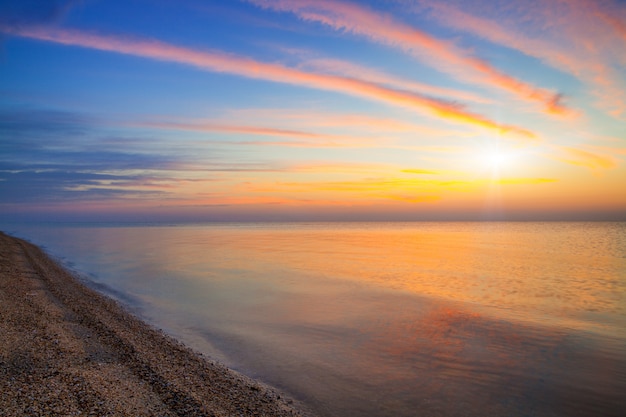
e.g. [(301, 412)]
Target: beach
[(68, 350), (350, 320)]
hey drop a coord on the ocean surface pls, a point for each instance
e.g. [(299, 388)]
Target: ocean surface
[(382, 319)]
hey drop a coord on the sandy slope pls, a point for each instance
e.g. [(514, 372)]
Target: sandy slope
[(67, 350)]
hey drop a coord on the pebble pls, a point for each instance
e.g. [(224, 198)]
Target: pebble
[(67, 350)]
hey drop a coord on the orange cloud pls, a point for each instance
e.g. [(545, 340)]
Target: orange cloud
[(343, 167), (587, 159), (325, 143), (217, 127), (567, 43), (618, 25), (383, 188), (609, 149), (383, 29), (419, 171), (415, 198), (246, 67), (613, 16), (518, 181), (363, 187), (304, 139), (361, 123), (348, 68)]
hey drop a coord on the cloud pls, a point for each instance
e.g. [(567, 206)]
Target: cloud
[(35, 186), (336, 167), (247, 67), (360, 124), (326, 143), (28, 123), (578, 37), (442, 55), (364, 187), (364, 131), (519, 181), (51, 155), (419, 171), (584, 158), (226, 128), (414, 198), (301, 139), (608, 12), (346, 68)]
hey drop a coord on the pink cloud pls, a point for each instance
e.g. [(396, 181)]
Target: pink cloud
[(584, 158), (363, 131), (440, 54), (225, 63), (360, 124), (365, 73), (576, 37), (218, 127)]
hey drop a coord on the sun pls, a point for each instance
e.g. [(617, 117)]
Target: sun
[(498, 158)]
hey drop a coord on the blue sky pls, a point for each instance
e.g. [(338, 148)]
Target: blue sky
[(303, 110)]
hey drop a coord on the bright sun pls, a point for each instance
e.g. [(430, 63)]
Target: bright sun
[(497, 159)]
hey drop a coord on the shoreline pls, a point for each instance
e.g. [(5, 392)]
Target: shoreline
[(68, 349)]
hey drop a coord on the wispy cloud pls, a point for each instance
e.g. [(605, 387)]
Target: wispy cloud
[(361, 131), (218, 127), (247, 67), (351, 69), (521, 181), (357, 123), (610, 12), (442, 55), (584, 158), (296, 138), (578, 37), (363, 187), (419, 171), (417, 190), (63, 186)]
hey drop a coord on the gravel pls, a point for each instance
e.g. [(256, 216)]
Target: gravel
[(67, 350)]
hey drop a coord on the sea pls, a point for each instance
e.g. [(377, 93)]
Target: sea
[(381, 319)]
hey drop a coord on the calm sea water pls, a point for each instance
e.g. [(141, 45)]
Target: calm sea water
[(383, 319)]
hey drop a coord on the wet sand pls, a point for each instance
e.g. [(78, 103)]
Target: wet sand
[(67, 350)]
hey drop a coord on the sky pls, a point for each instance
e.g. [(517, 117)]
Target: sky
[(284, 110)]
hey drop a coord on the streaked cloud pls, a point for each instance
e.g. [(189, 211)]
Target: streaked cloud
[(519, 181), (359, 123), (217, 127), (319, 109), (579, 37), (361, 131), (63, 186), (298, 138), (443, 55), (416, 190), (345, 68), (419, 171), (247, 67), (584, 158)]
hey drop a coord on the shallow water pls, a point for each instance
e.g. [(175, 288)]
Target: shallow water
[(384, 319)]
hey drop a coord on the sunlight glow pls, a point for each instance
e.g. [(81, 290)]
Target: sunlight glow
[(496, 159), (313, 109)]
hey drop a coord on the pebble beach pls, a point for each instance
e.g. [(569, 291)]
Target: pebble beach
[(68, 350)]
